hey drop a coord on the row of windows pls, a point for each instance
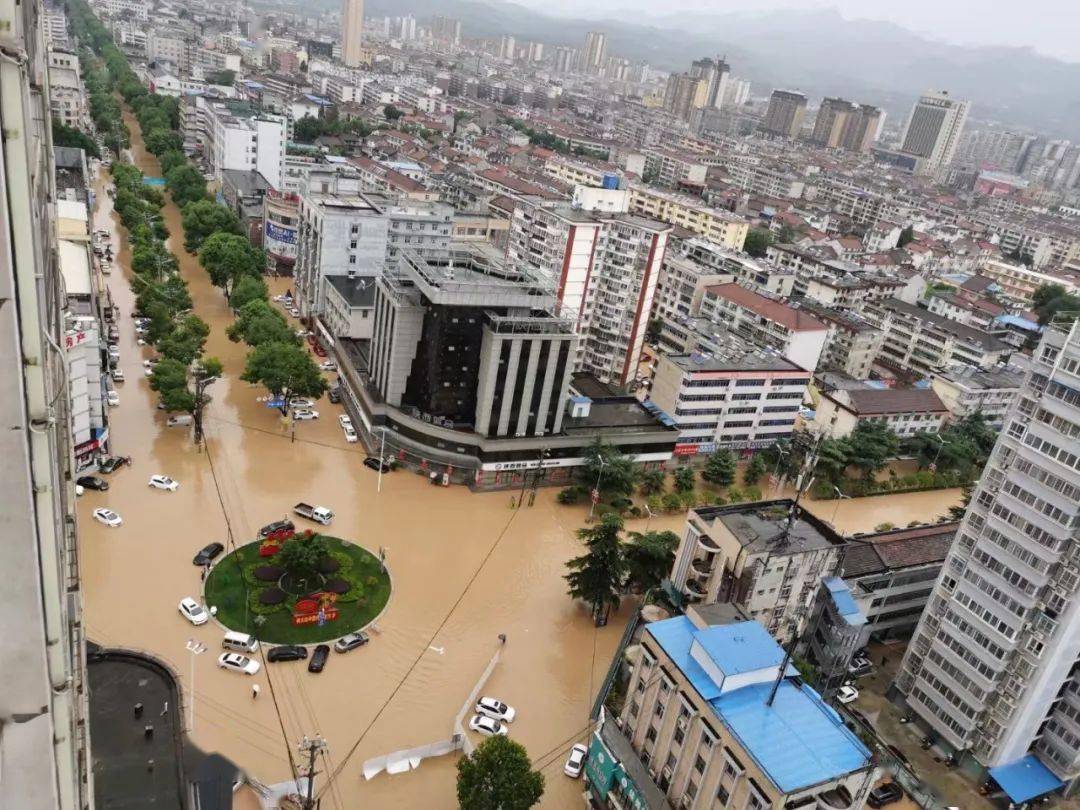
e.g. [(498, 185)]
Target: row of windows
[(1039, 535), (987, 615), (1025, 555), (1050, 449), (1059, 516), (960, 649), (956, 674), (1062, 426), (949, 695), (943, 715), (975, 634), (1064, 393), (996, 566), (995, 593), (1048, 479)]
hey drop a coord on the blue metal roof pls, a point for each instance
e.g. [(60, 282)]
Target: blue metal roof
[(1025, 779), (1016, 320), (841, 597), (742, 647), (797, 742)]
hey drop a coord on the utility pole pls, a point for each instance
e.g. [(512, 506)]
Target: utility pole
[(312, 748)]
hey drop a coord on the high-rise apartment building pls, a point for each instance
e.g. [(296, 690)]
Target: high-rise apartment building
[(933, 130), (841, 124), (507, 47), (785, 114), (44, 728), (595, 53), (685, 94), (352, 28), (565, 59), (992, 668), (446, 29), (715, 73)]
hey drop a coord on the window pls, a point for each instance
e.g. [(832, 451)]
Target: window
[(722, 796)]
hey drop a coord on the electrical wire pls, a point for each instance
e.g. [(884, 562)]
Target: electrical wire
[(468, 585)]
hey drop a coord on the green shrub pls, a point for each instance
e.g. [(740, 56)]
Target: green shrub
[(753, 493), (672, 502), (735, 495), (884, 527), (719, 500), (570, 495)]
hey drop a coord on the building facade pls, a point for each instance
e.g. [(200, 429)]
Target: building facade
[(992, 667), (934, 129), (784, 117)]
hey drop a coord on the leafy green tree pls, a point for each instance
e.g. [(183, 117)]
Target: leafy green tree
[(257, 323), (787, 235), (871, 445), (70, 136), (185, 341), (651, 482), (185, 183), (152, 260), (391, 113), (246, 290), (958, 511), (222, 77), (300, 558), (1051, 299), (615, 471), (228, 257), (498, 775), (202, 219), (755, 469), (160, 141), (720, 468), (757, 242), (649, 557), (286, 370), (308, 128), (684, 479), (597, 576), (907, 236), (833, 458), (170, 160), (182, 388)]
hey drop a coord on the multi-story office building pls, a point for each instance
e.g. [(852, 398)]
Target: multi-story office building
[(851, 344), (966, 390), (673, 168), (792, 331), (992, 667), (933, 130), (67, 97), (352, 30), (594, 55), (341, 232), (906, 411), (236, 135), (737, 396), (565, 59), (715, 73), (841, 124), (684, 211), (685, 94), (748, 555), (785, 114), (919, 342), (44, 745), (711, 721)]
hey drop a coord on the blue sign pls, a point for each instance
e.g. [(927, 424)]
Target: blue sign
[(155, 182), (286, 235), (275, 403)]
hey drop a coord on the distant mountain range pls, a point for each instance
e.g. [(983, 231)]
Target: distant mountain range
[(817, 52)]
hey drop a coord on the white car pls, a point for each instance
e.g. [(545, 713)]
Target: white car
[(117, 375), (344, 420), (302, 402), (487, 726), (328, 365), (350, 435), (113, 398), (108, 517), (575, 763), (193, 611), (163, 482), (847, 694), (304, 414), (495, 709), (238, 663)]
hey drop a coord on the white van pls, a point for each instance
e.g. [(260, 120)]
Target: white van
[(179, 419), (239, 642)]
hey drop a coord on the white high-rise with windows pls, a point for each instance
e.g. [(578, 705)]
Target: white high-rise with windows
[(934, 128), (994, 666)]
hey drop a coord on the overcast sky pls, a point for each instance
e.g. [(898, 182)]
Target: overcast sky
[(1051, 27)]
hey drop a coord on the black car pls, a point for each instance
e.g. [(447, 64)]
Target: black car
[(287, 652), (334, 395), (113, 463), (318, 660), (276, 526), (207, 554), (885, 794), (93, 482), (375, 463)]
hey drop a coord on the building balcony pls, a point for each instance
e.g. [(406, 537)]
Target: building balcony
[(837, 798), (708, 545), (701, 568), (694, 591)]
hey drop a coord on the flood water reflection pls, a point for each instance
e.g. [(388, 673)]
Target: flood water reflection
[(465, 568)]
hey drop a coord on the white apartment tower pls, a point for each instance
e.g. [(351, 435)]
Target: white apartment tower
[(933, 130), (993, 666), (592, 58), (352, 27), (44, 746)]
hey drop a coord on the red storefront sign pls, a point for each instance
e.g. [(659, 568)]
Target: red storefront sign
[(686, 450)]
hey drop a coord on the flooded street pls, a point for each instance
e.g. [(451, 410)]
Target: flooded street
[(465, 568)]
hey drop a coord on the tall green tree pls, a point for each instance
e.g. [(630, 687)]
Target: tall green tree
[(228, 257), (1051, 299), (720, 468), (257, 323), (755, 469), (183, 388), (684, 479), (498, 775), (246, 290), (651, 482), (833, 458), (597, 576), (185, 182), (871, 445), (649, 557), (286, 370), (70, 136), (300, 558), (185, 341), (615, 472), (203, 218), (757, 242)]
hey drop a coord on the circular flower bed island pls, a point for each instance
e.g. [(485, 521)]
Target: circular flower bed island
[(298, 588)]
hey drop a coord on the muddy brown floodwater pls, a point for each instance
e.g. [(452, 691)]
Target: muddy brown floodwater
[(465, 568)]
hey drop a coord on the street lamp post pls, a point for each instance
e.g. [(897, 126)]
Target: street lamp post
[(382, 451), (195, 648), (593, 498), (941, 446), (840, 496)]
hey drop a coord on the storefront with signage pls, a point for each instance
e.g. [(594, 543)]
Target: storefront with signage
[(281, 218), (614, 774)]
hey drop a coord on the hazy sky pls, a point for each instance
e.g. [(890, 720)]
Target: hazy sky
[(1049, 26)]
